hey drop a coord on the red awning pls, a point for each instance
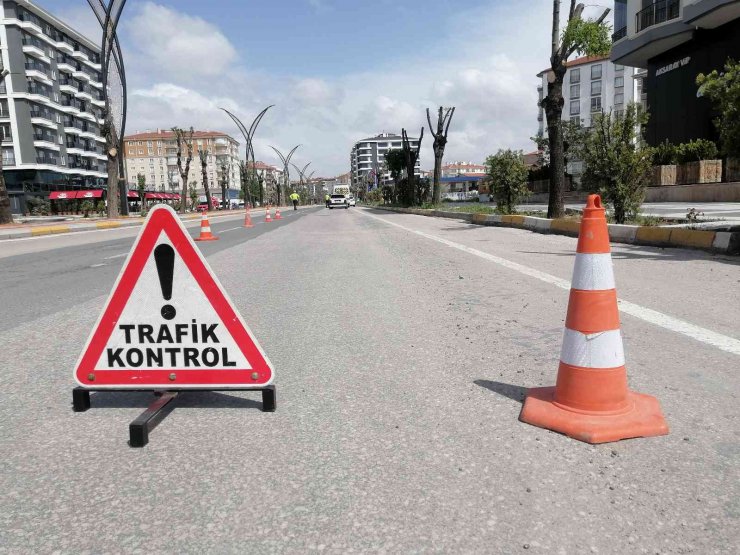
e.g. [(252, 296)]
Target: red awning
[(95, 193), (133, 194), (62, 195), (150, 196)]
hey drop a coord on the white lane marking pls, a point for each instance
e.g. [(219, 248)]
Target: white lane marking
[(97, 265), (116, 256), (722, 342), (230, 229)]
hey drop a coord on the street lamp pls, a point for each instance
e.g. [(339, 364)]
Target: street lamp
[(286, 168)]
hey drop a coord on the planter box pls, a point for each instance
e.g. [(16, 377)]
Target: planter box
[(664, 175), (732, 170), (704, 171)]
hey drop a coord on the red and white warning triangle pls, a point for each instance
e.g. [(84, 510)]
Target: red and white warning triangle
[(168, 323)]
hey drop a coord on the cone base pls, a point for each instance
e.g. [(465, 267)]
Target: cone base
[(207, 239), (250, 225), (645, 419)]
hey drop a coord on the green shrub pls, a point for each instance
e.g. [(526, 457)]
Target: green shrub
[(87, 207), (665, 154), (508, 177), (38, 206), (696, 150), (100, 208)]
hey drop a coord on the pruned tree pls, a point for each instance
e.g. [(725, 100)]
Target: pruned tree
[(395, 161), (589, 37), (111, 141), (444, 118), (411, 156), (203, 156), (184, 140)]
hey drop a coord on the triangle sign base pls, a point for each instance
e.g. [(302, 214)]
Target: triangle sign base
[(168, 323)]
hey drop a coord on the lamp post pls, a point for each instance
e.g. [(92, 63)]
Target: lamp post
[(6, 216), (114, 124), (249, 139), (302, 176), (224, 177), (286, 168)]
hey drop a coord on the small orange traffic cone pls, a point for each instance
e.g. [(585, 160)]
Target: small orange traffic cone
[(590, 401), (248, 219), (268, 218), (205, 229), (277, 214)]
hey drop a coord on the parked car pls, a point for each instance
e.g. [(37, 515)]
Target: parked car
[(338, 201), (351, 200)]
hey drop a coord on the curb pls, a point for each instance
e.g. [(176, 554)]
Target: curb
[(37, 231), (725, 242)]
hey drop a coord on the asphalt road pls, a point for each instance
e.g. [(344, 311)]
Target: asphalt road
[(403, 346)]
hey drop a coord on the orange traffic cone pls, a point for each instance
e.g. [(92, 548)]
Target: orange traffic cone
[(248, 219), (268, 219), (590, 401), (205, 229), (277, 214)]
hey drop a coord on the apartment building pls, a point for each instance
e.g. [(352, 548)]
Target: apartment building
[(675, 40), (592, 84), (454, 169), (153, 154), (367, 159), (51, 102)]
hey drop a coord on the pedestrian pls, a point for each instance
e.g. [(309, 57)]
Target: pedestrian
[(294, 197), (327, 199)]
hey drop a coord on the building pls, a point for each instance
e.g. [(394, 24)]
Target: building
[(153, 154), (367, 159), (462, 168), (675, 40), (592, 85), (270, 176), (461, 187), (51, 101)]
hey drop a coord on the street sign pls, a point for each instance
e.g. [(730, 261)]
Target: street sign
[(168, 324)]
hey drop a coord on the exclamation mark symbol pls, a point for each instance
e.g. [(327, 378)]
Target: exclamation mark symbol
[(164, 256)]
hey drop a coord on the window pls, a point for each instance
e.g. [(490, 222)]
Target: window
[(575, 107), (619, 82), (618, 113), (595, 88), (575, 91), (618, 99), (596, 71), (5, 133), (618, 68), (575, 75), (575, 119), (61, 140), (596, 104), (63, 160)]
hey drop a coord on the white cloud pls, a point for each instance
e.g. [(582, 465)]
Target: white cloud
[(179, 45), (486, 66)]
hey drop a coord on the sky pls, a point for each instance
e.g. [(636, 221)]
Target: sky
[(337, 71)]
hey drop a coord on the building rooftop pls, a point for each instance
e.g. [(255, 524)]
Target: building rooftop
[(168, 134), (579, 62)]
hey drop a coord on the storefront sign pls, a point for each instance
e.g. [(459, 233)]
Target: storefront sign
[(670, 67)]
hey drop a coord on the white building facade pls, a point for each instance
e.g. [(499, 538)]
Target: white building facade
[(367, 159), (51, 102), (592, 84)]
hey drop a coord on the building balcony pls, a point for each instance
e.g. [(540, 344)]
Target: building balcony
[(65, 46), (619, 34), (66, 66), (45, 143), (659, 12), (47, 160), (34, 50)]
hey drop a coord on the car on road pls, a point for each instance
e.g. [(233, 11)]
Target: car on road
[(351, 200), (338, 201)]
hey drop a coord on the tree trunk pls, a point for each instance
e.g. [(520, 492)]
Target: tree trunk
[(207, 189), (437, 190), (553, 105), (184, 194), (6, 217), (113, 187)]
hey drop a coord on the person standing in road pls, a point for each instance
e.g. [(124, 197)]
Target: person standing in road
[(294, 197), (326, 198)]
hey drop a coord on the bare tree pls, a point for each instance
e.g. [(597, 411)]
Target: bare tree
[(203, 155), (184, 139), (411, 156), (444, 118), (584, 37)]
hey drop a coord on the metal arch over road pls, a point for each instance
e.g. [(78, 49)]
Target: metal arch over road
[(286, 167)]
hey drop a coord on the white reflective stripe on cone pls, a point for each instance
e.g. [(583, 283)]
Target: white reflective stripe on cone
[(596, 350), (593, 272)]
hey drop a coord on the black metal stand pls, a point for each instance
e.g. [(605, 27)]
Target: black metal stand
[(149, 419)]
